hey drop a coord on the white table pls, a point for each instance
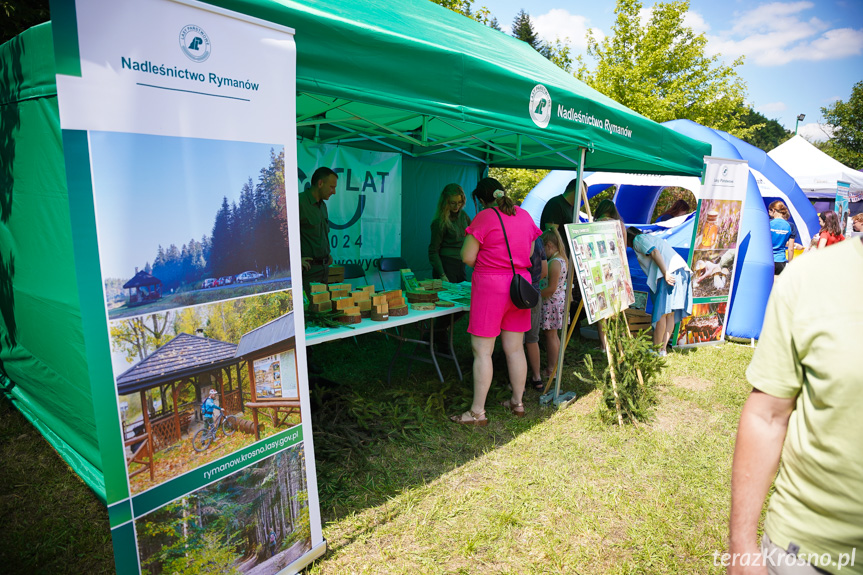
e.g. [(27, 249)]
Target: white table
[(315, 337)]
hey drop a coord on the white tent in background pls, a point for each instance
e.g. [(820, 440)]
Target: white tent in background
[(814, 171)]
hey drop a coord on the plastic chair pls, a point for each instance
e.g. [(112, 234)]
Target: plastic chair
[(354, 271), (392, 267)]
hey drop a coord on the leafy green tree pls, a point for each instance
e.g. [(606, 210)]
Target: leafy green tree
[(19, 15), (518, 182), (846, 118), (765, 134), (661, 70)]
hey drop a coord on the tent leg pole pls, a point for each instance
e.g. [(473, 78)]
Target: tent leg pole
[(570, 274)]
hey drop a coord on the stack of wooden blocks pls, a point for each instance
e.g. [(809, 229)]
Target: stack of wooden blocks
[(336, 274), (320, 298), (431, 285), (422, 300), (396, 302)]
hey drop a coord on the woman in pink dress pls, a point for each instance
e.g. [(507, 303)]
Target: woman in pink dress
[(492, 312)]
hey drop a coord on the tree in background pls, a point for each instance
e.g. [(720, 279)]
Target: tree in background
[(661, 70), (766, 134), (846, 119), (522, 28), (19, 15), (517, 181)]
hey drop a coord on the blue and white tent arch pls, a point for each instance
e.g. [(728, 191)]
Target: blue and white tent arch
[(636, 198)]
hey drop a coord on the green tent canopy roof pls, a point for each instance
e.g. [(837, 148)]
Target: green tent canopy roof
[(414, 77)]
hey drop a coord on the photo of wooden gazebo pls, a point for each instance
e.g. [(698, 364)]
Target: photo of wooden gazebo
[(143, 288), (187, 362)]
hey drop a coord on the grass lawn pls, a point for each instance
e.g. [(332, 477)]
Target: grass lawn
[(402, 490)]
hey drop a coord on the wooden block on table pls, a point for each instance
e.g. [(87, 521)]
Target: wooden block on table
[(340, 293), (422, 296), (359, 295), (398, 311), (323, 306), (350, 319), (444, 303), (368, 289), (339, 287), (365, 305), (379, 299), (379, 316), (397, 302), (316, 287), (383, 308), (423, 306), (393, 293), (343, 302), (353, 310), (321, 296)]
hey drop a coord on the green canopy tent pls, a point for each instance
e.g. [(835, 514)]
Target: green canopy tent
[(423, 81)]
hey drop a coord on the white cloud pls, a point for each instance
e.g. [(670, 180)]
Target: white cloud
[(778, 33), (559, 23), (815, 132), (772, 108)]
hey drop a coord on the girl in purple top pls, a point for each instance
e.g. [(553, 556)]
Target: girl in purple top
[(492, 312)]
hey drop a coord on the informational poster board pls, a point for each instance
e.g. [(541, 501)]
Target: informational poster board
[(366, 212), (842, 207), (715, 240), (178, 127), (599, 256)]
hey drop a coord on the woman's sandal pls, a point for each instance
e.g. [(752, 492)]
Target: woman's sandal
[(470, 418), (538, 384), (517, 409)]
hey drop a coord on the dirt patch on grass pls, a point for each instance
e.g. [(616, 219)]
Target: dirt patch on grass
[(692, 383), (673, 415)]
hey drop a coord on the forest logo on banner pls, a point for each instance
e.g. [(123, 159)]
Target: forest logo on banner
[(195, 43), (540, 106)]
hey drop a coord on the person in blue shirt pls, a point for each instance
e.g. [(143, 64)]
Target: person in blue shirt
[(780, 233), (207, 409), (669, 281)]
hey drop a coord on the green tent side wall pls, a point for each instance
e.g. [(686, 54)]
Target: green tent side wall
[(42, 363)]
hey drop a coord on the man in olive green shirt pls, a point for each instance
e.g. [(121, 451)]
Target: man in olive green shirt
[(315, 228), (807, 407)]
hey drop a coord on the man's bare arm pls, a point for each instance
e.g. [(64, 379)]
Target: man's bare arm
[(760, 436)]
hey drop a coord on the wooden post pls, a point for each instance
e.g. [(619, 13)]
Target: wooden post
[(613, 380), (175, 395), (149, 431)]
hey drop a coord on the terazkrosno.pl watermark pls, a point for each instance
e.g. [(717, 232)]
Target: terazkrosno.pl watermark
[(776, 558)]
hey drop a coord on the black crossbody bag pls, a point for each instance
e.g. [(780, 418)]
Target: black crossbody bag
[(521, 292)]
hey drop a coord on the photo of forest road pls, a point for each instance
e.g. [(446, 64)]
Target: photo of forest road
[(253, 522), (167, 363), (207, 222)]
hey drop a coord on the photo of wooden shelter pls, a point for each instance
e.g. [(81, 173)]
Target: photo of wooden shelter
[(270, 354), (143, 288), (186, 363)]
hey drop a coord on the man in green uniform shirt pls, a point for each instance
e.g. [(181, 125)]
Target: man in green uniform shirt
[(807, 407), (315, 228)]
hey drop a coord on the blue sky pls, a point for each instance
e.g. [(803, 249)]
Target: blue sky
[(153, 190), (800, 55)]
